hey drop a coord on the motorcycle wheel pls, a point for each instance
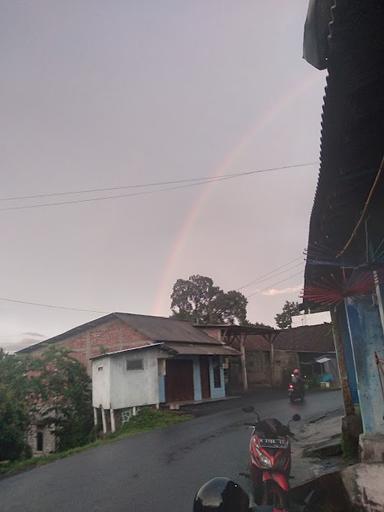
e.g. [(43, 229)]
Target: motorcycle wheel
[(275, 496), (257, 485)]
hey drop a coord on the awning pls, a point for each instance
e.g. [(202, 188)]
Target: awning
[(208, 349)]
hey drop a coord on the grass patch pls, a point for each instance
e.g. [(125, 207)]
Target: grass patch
[(145, 421)]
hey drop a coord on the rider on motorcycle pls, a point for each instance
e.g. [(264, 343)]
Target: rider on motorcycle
[(297, 380)]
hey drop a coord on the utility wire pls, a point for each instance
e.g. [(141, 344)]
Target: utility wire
[(156, 183), (275, 284), (52, 306), (263, 276), (191, 183), (85, 310)]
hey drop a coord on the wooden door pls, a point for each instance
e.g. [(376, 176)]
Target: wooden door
[(179, 380), (204, 377)]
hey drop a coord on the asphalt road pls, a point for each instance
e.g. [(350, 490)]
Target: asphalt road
[(156, 471)]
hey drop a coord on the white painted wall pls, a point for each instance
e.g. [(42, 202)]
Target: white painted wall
[(101, 382), (119, 388)]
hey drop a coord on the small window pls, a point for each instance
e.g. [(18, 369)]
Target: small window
[(100, 368), (135, 364), (216, 373), (39, 441)]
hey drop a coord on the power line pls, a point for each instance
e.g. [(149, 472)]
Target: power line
[(274, 275), (52, 306), (263, 276), (191, 182), (155, 183), (85, 310), (275, 284)]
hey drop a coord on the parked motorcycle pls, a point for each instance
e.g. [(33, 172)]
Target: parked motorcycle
[(270, 460), (296, 392)]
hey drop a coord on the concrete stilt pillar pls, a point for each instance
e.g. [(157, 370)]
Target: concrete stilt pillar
[(95, 416), (113, 424), (104, 420), (134, 411)]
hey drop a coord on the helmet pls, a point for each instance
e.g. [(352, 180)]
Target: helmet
[(296, 371), (221, 495)]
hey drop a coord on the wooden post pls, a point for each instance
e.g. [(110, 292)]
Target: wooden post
[(348, 403), (95, 416), (243, 363), (104, 420), (272, 362), (113, 423)]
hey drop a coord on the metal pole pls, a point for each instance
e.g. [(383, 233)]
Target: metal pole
[(348, 403)]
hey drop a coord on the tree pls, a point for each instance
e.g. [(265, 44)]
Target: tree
[(14, 418), (284, 319), (197, 299), (62, 397)]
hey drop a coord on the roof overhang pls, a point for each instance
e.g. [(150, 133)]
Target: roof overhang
[(178, 349)]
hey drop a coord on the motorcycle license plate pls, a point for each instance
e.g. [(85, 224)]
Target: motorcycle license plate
[(273, 443)]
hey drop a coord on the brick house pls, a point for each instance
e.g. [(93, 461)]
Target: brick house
[(188, 364)]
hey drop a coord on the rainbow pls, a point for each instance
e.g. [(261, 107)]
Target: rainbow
[(161, 302)]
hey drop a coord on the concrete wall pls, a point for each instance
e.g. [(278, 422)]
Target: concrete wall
[(366, 333), (284, 363), (101, 382), (258, 368), (118, 388), (134, 387)]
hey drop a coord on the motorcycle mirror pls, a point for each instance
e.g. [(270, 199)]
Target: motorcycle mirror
[(296, 417), (221, 494), (249, 408)]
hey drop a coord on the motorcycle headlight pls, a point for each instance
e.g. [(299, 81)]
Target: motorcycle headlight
[(263, 459)]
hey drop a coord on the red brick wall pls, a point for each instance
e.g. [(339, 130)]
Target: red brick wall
[(110, 336)]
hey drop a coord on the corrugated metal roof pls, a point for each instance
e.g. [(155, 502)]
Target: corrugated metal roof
[(351, 139), (200, 349), (125, 350), (155, 328), (159, 328)]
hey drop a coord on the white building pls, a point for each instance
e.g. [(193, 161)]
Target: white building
[(161, 372)]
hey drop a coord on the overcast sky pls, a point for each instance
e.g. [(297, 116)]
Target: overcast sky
[(97, 94)]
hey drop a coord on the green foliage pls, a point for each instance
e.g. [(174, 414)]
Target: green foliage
[(148, 419), (284, 319), (14, 418), (199, 300), (62, 397)]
